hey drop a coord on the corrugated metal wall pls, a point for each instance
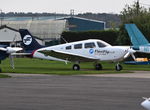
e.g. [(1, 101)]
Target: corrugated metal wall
[(45, 29)]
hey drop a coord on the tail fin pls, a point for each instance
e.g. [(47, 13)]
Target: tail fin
[(136, 37), (28, 41)]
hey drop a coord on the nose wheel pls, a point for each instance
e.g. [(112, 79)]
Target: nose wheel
[(118, 67)]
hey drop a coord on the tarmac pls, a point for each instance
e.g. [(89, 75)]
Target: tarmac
[(76, 92)]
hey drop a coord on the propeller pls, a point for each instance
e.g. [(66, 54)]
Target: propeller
[(131, 52)]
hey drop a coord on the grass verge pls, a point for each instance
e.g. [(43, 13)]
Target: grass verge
[(37, 66)]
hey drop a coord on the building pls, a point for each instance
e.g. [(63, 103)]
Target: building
[(48, 31), (83, 24), (11, 37)]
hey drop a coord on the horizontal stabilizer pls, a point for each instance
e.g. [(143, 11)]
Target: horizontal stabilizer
[(21, 54)]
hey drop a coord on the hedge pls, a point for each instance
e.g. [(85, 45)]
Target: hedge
[(109, 36)]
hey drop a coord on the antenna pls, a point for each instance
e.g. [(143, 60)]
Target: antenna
[(64, 39), (72, 12)]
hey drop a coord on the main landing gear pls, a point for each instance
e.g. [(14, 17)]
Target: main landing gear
[(98, 66), (76, 67)]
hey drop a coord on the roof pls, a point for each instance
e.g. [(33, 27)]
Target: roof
[(41, 28), (5, 26), (82, 19)]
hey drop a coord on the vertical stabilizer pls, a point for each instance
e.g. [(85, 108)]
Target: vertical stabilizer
[(28, 41), (136, 37)]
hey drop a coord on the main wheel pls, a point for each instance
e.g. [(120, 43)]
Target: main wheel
[(98, 66), (119, 67), (76, 67)]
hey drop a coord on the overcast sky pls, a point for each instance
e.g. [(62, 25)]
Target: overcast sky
[(64, 6)]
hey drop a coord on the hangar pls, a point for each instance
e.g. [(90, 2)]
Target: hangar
[(83, 24), (10, 36), (48, 31)]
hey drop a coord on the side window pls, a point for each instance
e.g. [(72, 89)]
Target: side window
[(90, 45), (68, 47), (101, 44), (78, 46)]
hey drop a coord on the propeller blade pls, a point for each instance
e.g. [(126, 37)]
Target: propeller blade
[(131, 50), (133, 56)]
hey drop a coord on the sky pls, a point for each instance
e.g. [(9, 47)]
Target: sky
[(64, 6)]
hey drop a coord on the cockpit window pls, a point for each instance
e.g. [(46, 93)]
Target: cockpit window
[(100, 44), (68, 47), (90, 45), (78, 46)]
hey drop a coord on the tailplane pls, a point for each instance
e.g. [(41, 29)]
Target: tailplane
[(136, 37), (28, 41)]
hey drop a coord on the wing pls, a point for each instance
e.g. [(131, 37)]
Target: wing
[(3, 49), (67, 55)]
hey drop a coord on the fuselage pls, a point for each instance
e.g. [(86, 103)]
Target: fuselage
[(90, 49), (142, 48)]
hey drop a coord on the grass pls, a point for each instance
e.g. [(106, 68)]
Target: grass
[(4, 76), (37, 66)]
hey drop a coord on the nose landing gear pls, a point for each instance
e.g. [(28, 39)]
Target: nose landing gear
[(118, 67)]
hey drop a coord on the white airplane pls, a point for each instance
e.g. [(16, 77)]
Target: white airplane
[(146, 103), (82, 51)]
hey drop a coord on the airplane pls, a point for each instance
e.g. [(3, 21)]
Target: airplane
[(6, 51), (91, 50), (146, 103), (138, 40)]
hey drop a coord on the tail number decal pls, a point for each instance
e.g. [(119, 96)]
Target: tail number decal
[(27, 40)]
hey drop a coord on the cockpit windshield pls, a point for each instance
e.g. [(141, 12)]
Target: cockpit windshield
[(102, 44)]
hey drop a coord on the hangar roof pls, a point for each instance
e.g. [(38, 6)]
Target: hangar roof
[(82, 19), (8, 34)]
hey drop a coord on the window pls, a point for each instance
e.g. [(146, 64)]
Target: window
[(78, 46), (100, 44), (90, 45), (68, 47)]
